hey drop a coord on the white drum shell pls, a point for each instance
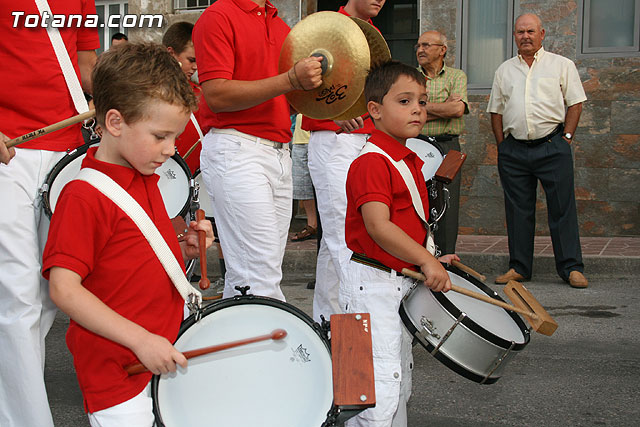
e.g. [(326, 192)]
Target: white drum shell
[(203, 196), (272, 383), (475, 356)]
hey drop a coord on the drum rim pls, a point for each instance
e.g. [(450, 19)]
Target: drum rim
[(229, 302), (51, 176), (183, 165), (475, 327)]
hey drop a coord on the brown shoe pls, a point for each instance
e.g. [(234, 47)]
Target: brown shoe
[(510, 275), (577, 280)]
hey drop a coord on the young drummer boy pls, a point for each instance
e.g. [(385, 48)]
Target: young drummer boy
[(386, 235), (102, 271)]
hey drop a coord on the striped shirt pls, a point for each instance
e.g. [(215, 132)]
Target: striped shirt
[(447, 81)]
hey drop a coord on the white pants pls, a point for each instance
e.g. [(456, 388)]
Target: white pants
[(135, 412), (366, 289), (26, 312), (250, 187), (330, 156)]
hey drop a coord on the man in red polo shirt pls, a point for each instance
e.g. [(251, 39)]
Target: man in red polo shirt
[(33, 94), (330, 155), (245, 161)]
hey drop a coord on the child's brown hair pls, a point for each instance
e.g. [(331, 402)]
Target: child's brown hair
[(133, 75), (382, 77)]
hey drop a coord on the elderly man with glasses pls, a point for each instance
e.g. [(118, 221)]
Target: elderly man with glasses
[(447, 89)]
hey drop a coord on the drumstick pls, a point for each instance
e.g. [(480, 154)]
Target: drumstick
[(365, 116), (276, 334), (193, 147), (202, 243), (478, 296), (51, 128), (468, 270)]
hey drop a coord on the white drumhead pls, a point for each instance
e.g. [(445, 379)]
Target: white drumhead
[(205, 201), (429, 154), (490, 317), (174, 186), (284, 383)]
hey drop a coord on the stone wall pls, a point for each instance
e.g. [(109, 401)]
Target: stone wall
[(606, 145)]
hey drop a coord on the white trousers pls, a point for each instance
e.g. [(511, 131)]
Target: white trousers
[(250, 187), (366, 289), (26, 312), (330, 156), (135, 412)]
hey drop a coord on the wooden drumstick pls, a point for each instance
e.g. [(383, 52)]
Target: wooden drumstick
[(51, 128), (276, 334), (193, 147), (476, 295), (202, 243), (468, 270), (364, 117)]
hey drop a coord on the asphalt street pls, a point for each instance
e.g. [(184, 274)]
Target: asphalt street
[(586, 374)]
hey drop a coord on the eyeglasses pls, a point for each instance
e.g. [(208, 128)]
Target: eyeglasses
[(426, 45)]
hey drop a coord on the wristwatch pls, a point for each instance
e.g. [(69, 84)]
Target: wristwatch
[(568, 135)]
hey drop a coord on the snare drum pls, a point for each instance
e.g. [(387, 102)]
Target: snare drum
[(175, 183), (431, 154), (471, 337), (279, 383)]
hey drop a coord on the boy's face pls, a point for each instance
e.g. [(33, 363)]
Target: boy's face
[(147, 143), (187, 59), (403, 111)]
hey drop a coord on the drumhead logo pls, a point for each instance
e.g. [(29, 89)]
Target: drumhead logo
[(300, 354), (170, 174)]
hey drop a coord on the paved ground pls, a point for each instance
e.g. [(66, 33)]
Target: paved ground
[(586, 374)]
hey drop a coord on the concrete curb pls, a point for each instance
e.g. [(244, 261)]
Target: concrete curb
[(298, 262)]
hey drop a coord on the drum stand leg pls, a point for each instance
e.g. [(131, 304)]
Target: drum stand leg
[(449, 332), (498, 362)]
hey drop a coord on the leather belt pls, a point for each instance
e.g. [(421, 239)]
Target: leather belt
[(370, 262), (252, 138), (547, 138)]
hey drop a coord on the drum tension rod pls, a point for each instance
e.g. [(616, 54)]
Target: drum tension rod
[(498, 362), (449, 332)]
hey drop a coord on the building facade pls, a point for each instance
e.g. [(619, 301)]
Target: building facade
[(603, 41)]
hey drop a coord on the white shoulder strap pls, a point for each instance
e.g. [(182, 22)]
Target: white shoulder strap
[(68, 71), (124, 201), (197, 126), (402, 167)]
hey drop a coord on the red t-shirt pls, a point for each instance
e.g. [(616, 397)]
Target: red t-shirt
[(372, 178), (310, 124), (91, 236), (190, 136), (238, 40), (33, 92)]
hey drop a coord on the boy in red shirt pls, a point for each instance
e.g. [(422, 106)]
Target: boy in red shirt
[(102, 271), (386, 235)]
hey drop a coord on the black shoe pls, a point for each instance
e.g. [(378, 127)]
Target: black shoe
[(311, 284)]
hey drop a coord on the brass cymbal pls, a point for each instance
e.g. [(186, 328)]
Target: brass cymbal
[(344, 45), (379, 53)]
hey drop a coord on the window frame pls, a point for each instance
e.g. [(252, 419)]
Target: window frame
[(178, 8), (105, 42), (583, 51), (462, 24)]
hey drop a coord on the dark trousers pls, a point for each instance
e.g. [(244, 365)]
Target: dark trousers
[(520, 167), (446, 234)]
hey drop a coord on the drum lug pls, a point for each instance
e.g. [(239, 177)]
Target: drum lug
[(332, 417), (428, 326), (243, 290), (324, 327), (449, 332), (498, 362)]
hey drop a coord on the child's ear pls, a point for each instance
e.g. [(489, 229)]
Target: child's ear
[(374, 109), (113, 122)]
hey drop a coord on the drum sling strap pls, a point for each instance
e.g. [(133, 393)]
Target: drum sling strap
[(70, 76), (124, 201), (405, 173)]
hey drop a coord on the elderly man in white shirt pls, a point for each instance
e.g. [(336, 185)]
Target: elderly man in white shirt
[(534, 133)]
